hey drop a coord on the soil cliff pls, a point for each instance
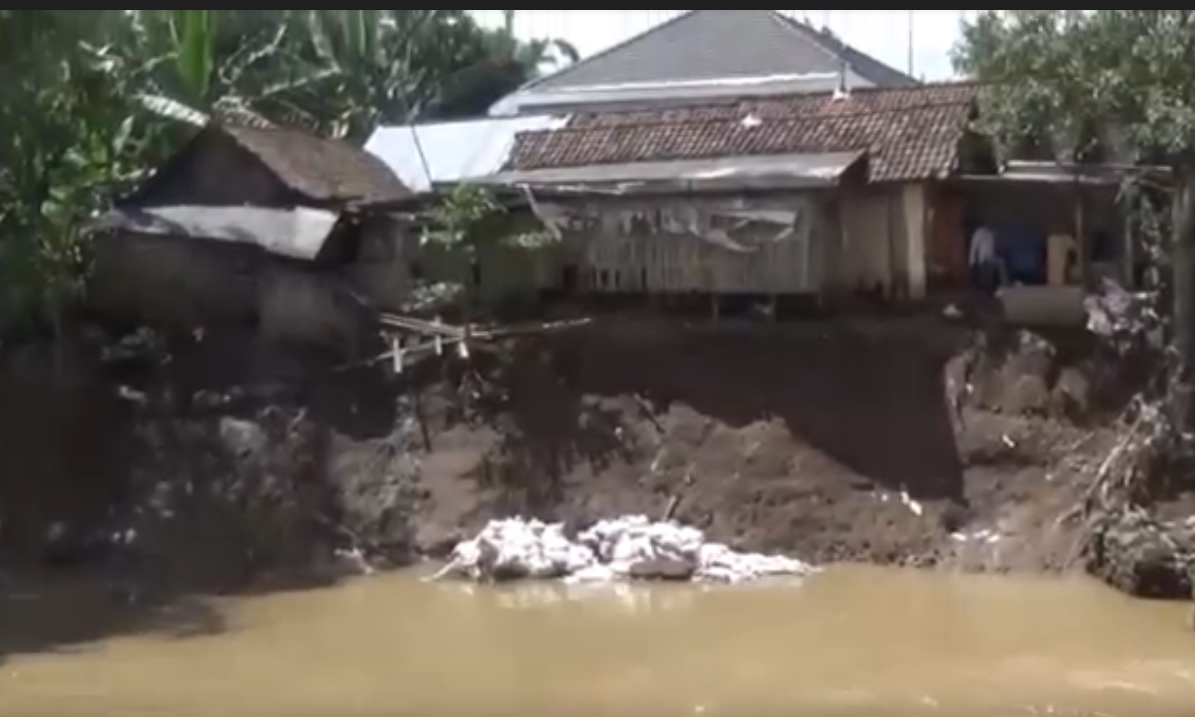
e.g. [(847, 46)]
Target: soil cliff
[(216, 459)]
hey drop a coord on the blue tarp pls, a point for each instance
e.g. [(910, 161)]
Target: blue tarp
[(1023, 249)]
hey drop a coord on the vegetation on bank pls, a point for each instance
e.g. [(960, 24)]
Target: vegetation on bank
[(93, 99), (1115, 85)]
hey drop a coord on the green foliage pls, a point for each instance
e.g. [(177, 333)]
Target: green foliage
[(469, 218), (95, 98), (1075, 79), (65, 141), (464, 219), (1091, 80), (500, 66)]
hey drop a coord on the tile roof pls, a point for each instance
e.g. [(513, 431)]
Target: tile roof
[(909, 133), (325, 170)]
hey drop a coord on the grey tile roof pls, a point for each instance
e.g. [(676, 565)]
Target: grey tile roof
[(712, 44)]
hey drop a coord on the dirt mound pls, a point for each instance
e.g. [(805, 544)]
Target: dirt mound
[(826, 441)]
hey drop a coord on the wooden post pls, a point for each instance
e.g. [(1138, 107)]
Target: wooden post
[(396, 347), (1081, 235), (1128, 259)]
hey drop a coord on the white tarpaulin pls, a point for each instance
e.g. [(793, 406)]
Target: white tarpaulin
[(297, 233), (448, 152)]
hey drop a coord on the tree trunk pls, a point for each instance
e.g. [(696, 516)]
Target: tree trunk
[(1183, 287)]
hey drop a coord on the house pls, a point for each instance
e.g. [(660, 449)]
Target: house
[(705, 55), (1061, 228), (270, 227), (823, 195), (276, 168), (681, 62), (869, 191)]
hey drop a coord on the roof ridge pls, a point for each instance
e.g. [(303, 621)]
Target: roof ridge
[(821, 38), (731, 100), (804, 32), (564, 71), (715, 120)]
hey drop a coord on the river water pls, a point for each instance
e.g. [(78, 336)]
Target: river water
[(850, 641)]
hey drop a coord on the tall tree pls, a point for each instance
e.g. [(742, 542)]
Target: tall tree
[(191, 64), (65, 139), (353, 69), (505, 64), (1076, 77)]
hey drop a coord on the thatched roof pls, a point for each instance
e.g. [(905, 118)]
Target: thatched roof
[(324, 170)]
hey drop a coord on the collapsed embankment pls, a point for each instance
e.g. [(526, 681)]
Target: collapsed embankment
[(214, 459)]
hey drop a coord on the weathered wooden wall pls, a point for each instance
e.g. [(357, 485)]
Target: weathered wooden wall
[(184, 283), (173, 280), (708, 244), (882, 242), (382, 269)]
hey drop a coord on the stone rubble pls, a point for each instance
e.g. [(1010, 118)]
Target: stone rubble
[(629, 548)]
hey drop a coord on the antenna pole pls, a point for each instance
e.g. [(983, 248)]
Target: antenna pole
[(427, 170), (910, 43)]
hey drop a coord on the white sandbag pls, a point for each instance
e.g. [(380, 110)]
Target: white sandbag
[(611, 550)]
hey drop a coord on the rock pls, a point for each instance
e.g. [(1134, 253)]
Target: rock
[(1072, 392), (1025, 376), (628, 548), (242, 438), (1024, 395), (1013, 378), (1033, 356), (1145, 557)]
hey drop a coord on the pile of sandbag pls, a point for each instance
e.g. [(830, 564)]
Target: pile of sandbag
[(626, 548), (517, 548)]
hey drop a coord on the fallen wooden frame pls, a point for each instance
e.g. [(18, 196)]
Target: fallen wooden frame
[(444, 336)]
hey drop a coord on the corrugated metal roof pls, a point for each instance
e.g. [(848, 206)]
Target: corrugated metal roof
[(739, 173), (453, 151), (298, 233)]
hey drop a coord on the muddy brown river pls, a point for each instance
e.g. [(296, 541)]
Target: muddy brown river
[(851, 641)]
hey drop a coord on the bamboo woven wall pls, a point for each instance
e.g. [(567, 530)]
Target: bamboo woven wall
[(678, 245)]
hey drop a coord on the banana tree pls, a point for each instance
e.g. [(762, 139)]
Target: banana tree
[(361, 68), (192, 65), (358, 68)]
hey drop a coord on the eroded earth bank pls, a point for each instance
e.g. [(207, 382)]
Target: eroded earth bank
[(216, 462)]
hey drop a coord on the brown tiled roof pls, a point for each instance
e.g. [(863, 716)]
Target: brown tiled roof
[(909, 133), (325, 170)]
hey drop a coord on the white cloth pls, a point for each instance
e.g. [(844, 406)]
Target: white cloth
[(983, 246)]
